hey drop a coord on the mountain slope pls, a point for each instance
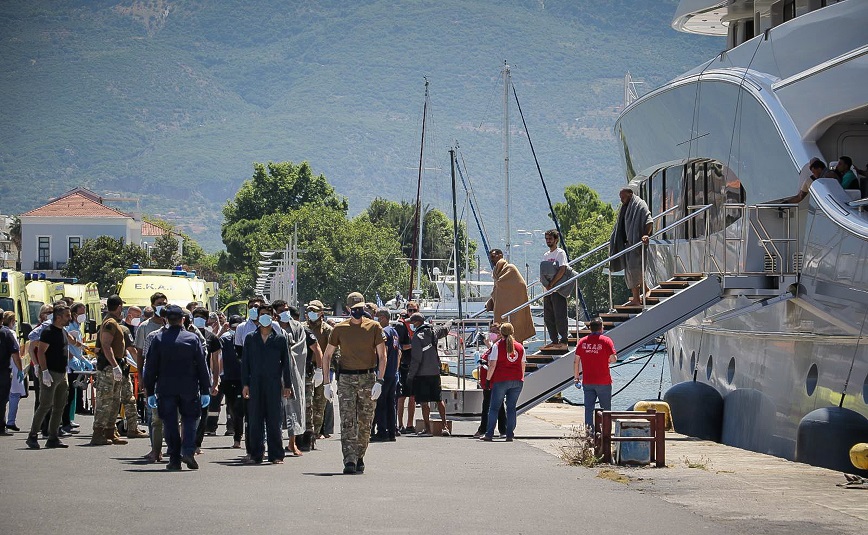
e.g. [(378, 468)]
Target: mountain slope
[(173, 101)]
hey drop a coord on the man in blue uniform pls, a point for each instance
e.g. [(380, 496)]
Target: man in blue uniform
[(176, 376), (265, 375)]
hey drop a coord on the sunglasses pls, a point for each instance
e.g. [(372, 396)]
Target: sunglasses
[(411, 310)]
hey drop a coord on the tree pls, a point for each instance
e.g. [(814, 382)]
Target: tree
[(15, 236), (340, 255), (104, 260), (437, 233), (587, 222), (275, 188), (164, 254)]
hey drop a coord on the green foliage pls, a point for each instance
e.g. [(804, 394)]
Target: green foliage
[(340, 255), (104, 260), (437, 233), (587, 222), (164, 254), (275, 188)]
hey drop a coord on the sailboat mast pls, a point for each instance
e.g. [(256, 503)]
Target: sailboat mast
[(416, 255), (507, 82)]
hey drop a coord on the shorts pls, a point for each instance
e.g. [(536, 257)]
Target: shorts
[(426, 388), (404, 390)]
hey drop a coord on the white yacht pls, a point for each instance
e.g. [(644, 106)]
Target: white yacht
[(763, 302), (725, 145)]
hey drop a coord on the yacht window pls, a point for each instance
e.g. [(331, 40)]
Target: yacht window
[(748, 30), (673, 195), (789, 10)]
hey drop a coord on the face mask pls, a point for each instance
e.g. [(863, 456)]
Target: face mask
[(357, 313), (265, 320), (313, 316), (199, 322), (253, 314), (13, 327), (494, 337), (135, 322), (412, 327), (285, 316), (81, 318), (50, 318)]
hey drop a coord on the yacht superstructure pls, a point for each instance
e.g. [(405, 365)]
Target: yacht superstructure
[(736, 134)]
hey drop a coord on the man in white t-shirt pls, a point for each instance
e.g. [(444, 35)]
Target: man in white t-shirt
[(555, 305), (818, 169)]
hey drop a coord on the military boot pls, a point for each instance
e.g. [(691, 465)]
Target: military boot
[(100, 437), (133, 430), (304, 441), (116, 437)]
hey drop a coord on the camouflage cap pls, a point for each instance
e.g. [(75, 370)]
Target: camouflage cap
[(355, 299), (315, 305)]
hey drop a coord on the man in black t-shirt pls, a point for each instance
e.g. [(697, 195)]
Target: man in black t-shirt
[(53, 358), (213, 349), (9, 352), (405, 391)]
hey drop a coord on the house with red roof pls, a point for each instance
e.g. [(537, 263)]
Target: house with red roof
[(51, 233)]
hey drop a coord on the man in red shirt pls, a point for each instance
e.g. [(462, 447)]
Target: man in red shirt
[(594, 353)]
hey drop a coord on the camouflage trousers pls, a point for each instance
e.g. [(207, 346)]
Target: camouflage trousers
[(357, 414), (128, 400), (314, 406), (108, 399)]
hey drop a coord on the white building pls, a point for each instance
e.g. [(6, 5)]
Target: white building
[(51, 233)]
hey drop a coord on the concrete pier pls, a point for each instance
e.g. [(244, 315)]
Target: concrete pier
[(416, 485)]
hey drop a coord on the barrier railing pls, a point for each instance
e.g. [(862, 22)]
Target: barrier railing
[(604, 439), (608, 260)]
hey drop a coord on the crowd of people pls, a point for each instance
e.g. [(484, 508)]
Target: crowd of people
[(275, 374)]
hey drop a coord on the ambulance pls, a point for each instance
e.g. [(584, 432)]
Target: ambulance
[(43, 291), (89, 295), (179, 286), (13, 297)]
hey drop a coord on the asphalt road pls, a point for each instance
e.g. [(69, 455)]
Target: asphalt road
[(418, 485)]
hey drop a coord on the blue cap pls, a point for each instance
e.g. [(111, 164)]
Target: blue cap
[(173, 311)]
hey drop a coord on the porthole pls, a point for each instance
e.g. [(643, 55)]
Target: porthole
[(709, 367), (811, 380), (680, 359), (730, 370), (693, 360)]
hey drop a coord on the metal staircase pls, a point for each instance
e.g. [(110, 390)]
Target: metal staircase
[(671, 303)]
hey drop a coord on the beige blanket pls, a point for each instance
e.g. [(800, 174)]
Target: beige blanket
[(510, 291)]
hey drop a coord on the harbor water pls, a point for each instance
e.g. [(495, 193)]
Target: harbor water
[(644, 386)]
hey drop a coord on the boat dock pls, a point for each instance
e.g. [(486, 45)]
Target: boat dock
[(421, 485)]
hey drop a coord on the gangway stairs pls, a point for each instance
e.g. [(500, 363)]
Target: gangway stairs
[(670, 303)]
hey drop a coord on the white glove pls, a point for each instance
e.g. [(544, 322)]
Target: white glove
[(448, 324), (46, 377), (376, 390), (328, 391), (317, 377), (117, 373)]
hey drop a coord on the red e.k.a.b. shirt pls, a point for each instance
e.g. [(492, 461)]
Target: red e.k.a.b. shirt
[(595, 350)]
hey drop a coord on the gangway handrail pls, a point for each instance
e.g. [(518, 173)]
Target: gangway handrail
[(604, 245), (576, 277)]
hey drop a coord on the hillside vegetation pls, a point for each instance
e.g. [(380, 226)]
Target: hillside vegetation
[(173, 101)]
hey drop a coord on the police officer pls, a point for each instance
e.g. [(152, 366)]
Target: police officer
[(362, 366), (265, 374), (176, 376)]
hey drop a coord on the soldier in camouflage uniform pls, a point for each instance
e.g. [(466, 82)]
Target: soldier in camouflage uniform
[(315, 401), (363, 363), (108, 380)]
